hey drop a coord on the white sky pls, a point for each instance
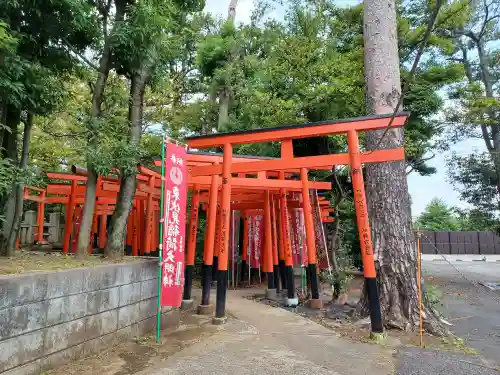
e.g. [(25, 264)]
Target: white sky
[(422, 189)]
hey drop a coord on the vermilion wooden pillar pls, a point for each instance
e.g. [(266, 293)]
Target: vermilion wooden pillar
[(292, 299), (310, 237), (130, 232), (140, 220), (93, 233), (215, 264), (135, 229), (156, 238), (365, 237), (40, 217), (191, 246), (102, 231), (281, 246), (244, 250), (268, 242), (208, 253), (220, 308), (275, 247), (148, 219), (76, 228), (70, 212)]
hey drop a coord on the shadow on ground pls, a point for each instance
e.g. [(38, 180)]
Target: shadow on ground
[(143, 352)]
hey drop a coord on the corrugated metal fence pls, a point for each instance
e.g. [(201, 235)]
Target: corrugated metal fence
[(453, 243)]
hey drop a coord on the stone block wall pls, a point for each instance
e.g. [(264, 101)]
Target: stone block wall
[(48, 319)]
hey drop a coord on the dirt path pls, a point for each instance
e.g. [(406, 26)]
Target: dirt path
[(142, 353)]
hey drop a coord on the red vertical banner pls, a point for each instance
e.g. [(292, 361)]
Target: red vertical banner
[(174, 228), (298, 236), (234, 243), (257, 240), (294, 235), (250, 235), (302, 237)]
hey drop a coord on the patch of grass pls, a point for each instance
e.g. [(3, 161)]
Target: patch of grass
[(454, 343), (378, 338), (32, 261), (433, 295)]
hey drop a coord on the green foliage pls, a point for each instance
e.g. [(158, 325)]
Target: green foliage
[(474, 110), (433, 295), (478, 180), (340, 279), (437, 217), (477, 221), (6, 175), (307, 67)]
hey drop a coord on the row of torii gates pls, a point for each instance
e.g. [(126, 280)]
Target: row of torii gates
[(222, 183)]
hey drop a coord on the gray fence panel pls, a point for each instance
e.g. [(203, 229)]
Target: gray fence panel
[(487, 242), (459, 243), (443, 242), (427, 240)]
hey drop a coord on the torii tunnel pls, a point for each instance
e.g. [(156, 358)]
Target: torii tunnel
[(225, 183), (230, 187)]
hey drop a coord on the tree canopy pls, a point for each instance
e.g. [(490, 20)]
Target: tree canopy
[(97, 82)]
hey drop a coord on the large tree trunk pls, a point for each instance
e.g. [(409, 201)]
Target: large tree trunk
[(19, 189), (118, 225), (386, 185), (97, 98)]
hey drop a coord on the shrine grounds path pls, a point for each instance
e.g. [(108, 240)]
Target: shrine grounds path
[(260, 339)]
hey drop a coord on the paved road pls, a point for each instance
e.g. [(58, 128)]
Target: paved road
[(260, 339), (474, 311)]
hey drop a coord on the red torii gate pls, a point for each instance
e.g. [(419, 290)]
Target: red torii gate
[(286, 134), (142, 234), (249, 193)]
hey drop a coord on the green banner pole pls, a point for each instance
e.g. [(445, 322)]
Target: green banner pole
[(160, 254)]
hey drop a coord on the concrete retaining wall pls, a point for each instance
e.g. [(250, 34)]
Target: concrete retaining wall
[(49, 319)]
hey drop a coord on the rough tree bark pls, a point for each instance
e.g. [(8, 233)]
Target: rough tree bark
[(105, 64), (9, 151), (386, 185), (19, 189), (118, 225)]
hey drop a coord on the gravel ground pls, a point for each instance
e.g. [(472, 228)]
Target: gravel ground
[(474, 310), (415, 361)]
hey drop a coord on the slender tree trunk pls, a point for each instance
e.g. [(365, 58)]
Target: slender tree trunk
[(3, 117), (19, 189), (97, 98), (225, 95), (13, 118), (386, 185), (118, 225), (224, 99), (494, 129), (206, 121), (334, 244)]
